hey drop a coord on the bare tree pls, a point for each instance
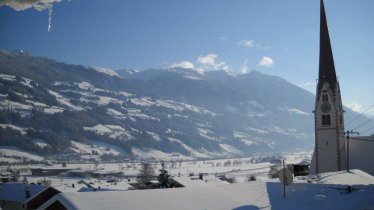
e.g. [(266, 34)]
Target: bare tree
[(146, 174)]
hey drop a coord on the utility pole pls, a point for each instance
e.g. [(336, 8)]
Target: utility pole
[(284, 182), (348, 133)]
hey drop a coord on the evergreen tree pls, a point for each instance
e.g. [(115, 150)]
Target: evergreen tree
[(164, 178)]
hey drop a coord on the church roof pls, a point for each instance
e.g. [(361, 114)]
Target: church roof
[(326, 60)]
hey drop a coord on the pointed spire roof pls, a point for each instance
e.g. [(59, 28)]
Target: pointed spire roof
[(326, 60)]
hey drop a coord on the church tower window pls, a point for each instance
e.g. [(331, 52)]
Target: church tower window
[(325, 98), (326, 120)]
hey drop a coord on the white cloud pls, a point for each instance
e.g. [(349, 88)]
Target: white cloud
[(247, 43), (355, 106), (40, 5), (207, 59), (183, 64), (209, 62), (266, 61)]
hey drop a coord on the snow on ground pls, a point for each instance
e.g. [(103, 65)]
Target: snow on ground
[(155, 136), (137, 113), (113, 131), (142, 101), (106, 71), (192, 77), (7, 77), (15, 105), (258, 130), (85, 86), (40, 143), (230, 149), (297, 111), (64, 101), (53, 110), (193, 152), (206, 133), (115, 113), (36, 103), (14, 151), (213, 194), (26, 82), (152, 153), (354, 177), (99, 148), (105, 100), (23, 131)]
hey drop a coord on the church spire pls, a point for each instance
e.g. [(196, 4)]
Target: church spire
[(326, 60)]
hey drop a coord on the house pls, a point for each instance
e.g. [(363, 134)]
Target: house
[(48, 171), (300, 169), (15, 195)]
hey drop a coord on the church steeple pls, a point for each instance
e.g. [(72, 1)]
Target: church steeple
[(326, 60), (329, 153)]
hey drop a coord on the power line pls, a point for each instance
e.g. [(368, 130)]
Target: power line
[(360, 114), (367, 130), (362, 124), (359, 139)]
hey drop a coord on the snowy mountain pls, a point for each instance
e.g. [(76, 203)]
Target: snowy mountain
[(70, 111)]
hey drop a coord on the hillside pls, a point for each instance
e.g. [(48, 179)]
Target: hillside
[(70, 111)]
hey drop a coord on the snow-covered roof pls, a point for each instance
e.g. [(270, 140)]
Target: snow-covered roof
[(16, 191), (249, 195), (196, 182), (354, 177)]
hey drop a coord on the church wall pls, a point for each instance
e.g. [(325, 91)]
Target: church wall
[(361, 155)]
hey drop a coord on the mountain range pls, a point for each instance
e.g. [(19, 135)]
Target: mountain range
[(63, 111)]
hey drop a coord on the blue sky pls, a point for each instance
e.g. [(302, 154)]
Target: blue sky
[(272, 36)]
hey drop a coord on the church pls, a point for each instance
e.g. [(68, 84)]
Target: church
[(331, 150), (329, 153)]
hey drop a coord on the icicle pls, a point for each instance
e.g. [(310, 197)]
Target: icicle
[(49, 6)]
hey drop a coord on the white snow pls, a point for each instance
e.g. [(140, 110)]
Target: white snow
[(113, 131), (53, 110), (23, 131), (258, 130), (151, 153), (98, 147), (40, 143), (137, 113), (193, 152), (85, 86), (64, 101), (192, 77), (115, 113), (298, 111), (26, 82), (106, 71), (16, 152), (142, 101), (354, 177), (155, 136), (36, 103), (230, 149), (260, 194), (8, 77)]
